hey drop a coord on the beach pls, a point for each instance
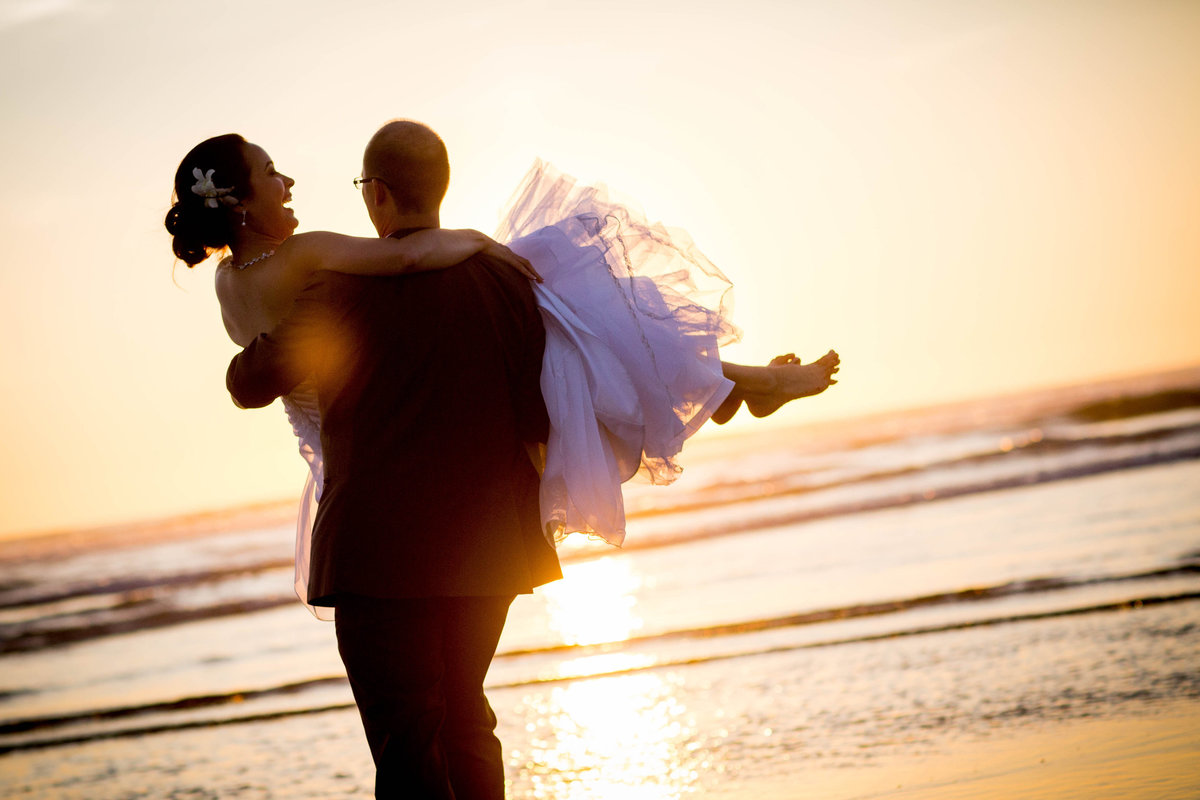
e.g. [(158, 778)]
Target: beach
[(995, 599), (1133, 747)]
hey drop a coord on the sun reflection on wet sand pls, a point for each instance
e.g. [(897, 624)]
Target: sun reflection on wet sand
[(626, 736)]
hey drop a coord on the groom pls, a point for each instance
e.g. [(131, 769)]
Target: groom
[(428, 524)]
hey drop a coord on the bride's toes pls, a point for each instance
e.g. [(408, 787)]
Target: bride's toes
[(786, 358), (831, 359)]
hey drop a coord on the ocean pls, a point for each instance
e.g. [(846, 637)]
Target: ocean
[(805, 611)]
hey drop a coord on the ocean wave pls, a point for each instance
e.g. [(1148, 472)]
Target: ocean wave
[(34, 617)]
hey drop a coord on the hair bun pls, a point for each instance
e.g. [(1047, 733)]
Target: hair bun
[(188, 237), (197, 229)]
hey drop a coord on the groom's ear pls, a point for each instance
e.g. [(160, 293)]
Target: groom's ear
[(379, 193)]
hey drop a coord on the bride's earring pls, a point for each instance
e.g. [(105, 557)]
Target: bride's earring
[(243, 217)]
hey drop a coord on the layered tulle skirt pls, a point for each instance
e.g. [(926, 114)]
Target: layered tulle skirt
[(634, 316)]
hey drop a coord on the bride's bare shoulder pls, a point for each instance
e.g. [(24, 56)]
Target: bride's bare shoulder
[(308, 251), (302, 254), (234, 309), (253, 299), (223, 282)]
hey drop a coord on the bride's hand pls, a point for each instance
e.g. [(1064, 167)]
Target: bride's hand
[(515, 261)]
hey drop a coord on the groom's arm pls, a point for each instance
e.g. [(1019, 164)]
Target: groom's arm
[(302, 345)]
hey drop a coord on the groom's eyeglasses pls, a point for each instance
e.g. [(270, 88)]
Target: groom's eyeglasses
[(360, 182)]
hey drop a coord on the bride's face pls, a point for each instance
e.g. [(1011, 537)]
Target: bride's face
[(269, 190)]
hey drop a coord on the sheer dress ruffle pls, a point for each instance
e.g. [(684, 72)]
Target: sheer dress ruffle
[(634, 316), (305, 415)]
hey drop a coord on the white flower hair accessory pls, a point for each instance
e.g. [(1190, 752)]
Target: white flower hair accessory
[(204, 187)]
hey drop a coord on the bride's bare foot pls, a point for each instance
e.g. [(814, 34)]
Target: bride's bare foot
[(793, 380)]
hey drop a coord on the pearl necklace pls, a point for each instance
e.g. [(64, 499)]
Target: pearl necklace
[(253, 261)]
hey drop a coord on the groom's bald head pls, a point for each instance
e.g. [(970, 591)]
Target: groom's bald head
[(411, 160)]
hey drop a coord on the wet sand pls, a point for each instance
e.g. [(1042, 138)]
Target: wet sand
[(1156, 756), (1138, 758)]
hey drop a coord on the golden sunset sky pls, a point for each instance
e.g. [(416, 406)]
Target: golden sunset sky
[(963, 198)]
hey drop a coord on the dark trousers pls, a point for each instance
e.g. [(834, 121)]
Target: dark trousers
[(416, 668)]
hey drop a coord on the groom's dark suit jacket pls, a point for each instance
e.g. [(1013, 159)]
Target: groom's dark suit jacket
[(429, 389)]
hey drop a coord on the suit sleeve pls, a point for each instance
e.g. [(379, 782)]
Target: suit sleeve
[(526, 367), (299, 347), (534, 422)]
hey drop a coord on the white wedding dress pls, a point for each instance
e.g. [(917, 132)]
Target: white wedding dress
[(634, 315)]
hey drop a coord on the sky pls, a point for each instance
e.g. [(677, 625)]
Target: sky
[(964, 199)]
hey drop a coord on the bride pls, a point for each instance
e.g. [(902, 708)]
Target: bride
[(634, 315)]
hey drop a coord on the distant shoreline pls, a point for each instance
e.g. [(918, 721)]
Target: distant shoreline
[(179, 526)]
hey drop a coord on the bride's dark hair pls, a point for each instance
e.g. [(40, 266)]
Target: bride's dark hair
[(198, 229)]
